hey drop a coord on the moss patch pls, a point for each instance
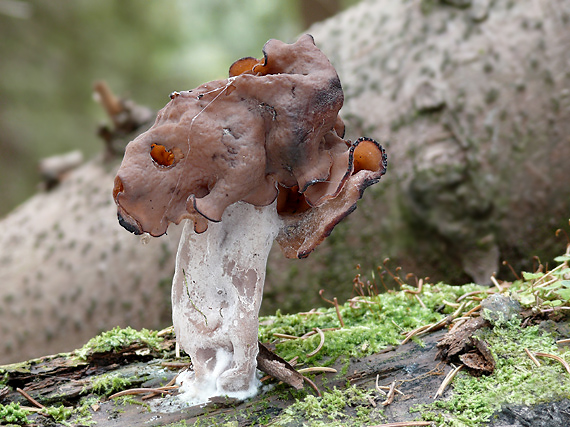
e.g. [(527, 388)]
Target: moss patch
[(515, 379), (350, 407), (371, 323), (13, 414), (118, 338), (108, 384)]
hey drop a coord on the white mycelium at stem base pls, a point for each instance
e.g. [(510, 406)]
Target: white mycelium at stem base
[(216, 295)]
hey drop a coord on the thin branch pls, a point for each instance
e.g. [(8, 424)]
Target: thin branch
[(176, 365), (415, 332), (170, 385), (468, 294), (473, 310), (420, 301), (30, 398)]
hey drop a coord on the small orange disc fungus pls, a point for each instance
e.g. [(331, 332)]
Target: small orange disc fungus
[(367, 156), (243, 65), (161, 155)]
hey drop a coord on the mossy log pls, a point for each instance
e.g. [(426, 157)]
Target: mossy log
[(383, 366)]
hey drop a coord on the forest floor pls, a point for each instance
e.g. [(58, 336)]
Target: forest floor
[(427, 354)]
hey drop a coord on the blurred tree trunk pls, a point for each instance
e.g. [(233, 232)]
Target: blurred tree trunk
[(318, 10)]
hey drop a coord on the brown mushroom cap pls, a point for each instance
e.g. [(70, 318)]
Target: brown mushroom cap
[(272, 127), (304, 229)]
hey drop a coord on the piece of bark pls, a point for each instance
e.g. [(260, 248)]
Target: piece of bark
[(280, 369), (481, 360), (461, 344)]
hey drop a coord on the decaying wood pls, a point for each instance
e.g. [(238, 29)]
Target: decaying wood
[(461, 345), (411, 369)]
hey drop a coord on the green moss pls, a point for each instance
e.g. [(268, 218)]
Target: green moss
[(13, 414), (84, 411), (119, 338), (371, 324), (544, 290), (375, 322), (132, 400), (515, 379), (59, 413), (110, 383), (331, 408)]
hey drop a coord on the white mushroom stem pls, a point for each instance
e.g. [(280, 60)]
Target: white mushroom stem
[(216, 295)]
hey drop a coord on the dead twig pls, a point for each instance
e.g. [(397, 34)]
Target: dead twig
[(415, 332), (473, 310), (496, 284), (451, 304), (435, 326), (420, 301), (165, 331), (378, 388), (447, 380), (176, 365), (285, 336), (321, 343), (30, 398), (313, 385), (160, 390), (170, 384), (468, 294), (547, 274), (557, 358), (335, 303), (390, 395), (531, 356)]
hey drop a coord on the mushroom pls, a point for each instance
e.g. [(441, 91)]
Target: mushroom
[(249, 159)]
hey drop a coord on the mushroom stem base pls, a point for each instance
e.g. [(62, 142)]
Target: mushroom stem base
[(216, 295)]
